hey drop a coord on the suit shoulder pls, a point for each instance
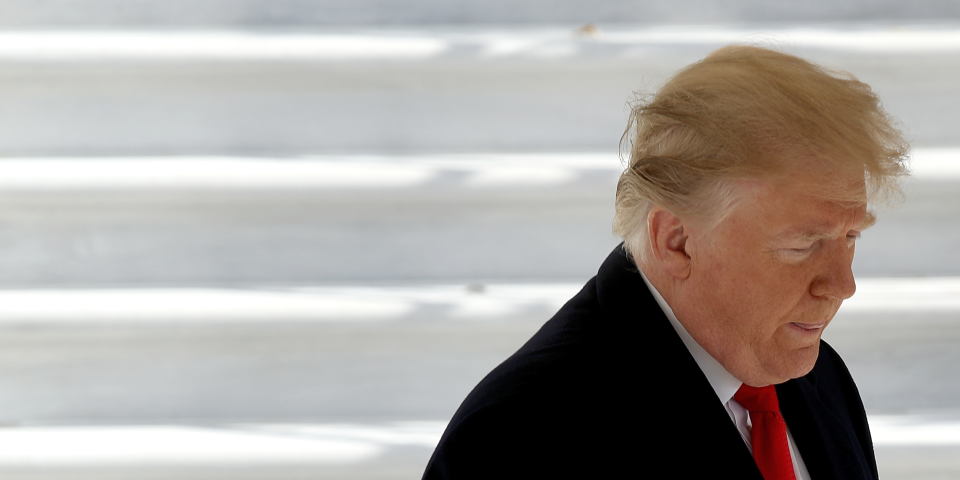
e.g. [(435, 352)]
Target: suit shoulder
[(565, 345), (516, 409)]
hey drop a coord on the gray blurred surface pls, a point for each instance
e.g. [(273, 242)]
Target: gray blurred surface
[(916, 238), (207, 13), (459, 101), (303, 238), (440, 232), (359, 365), (419, 367), (902, 363), (265, 372), (919, 463)]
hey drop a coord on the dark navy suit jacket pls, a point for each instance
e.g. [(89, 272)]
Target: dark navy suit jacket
[(606, 389)]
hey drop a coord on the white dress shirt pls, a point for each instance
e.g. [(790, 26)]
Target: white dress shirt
[(723, 383)]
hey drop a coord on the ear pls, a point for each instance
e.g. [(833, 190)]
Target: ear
[(668, 242)]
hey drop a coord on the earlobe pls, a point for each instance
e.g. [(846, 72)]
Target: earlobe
[(669, 237)]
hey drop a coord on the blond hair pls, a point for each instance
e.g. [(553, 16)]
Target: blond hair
[(746, 112)]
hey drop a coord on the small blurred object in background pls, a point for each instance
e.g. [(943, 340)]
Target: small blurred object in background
[(267, 239)]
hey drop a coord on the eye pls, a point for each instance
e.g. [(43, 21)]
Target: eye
[(799, 251), (852, 238)]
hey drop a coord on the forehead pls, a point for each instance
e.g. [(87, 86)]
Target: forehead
[(800, 206)]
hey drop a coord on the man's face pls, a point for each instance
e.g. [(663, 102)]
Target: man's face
[(771, 276)]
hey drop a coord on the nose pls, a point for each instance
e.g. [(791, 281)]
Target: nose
[(836, 277)]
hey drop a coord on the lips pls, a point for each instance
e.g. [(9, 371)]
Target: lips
[(810, 327)]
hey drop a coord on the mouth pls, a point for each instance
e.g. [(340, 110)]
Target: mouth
[(809, 327)]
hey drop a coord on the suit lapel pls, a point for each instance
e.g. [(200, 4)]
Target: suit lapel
[(827, 443)]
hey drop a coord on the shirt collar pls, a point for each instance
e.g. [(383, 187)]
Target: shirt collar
[(723, 382)]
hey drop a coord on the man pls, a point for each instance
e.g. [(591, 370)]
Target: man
[(695, 352)]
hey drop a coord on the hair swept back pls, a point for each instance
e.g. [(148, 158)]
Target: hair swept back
[(747, 112)]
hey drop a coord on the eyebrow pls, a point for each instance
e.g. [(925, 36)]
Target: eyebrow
[(814, 234)]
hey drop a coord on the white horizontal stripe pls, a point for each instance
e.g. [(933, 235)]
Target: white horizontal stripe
[(225, 445), (874, 40), (206, 172), (299, 304), (227, 46), (329, 172), (346, 172), (171, 305), (79, 46), (64, 447), (914, 430), (323, 304), (935, 163), (905, 294)]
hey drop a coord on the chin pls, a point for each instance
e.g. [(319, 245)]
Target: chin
[(803, 361)]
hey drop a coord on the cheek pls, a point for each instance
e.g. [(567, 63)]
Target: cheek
[(732, 302), (777, 283), (749, 290), (756, 301)]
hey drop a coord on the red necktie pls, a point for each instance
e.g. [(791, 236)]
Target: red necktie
[(769, 432)]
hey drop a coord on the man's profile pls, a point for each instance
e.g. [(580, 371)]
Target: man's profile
[(695, 352)]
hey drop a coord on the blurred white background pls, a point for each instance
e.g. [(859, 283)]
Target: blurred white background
[(269, 239)]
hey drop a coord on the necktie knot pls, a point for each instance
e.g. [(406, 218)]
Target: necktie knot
[(754, 399)]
